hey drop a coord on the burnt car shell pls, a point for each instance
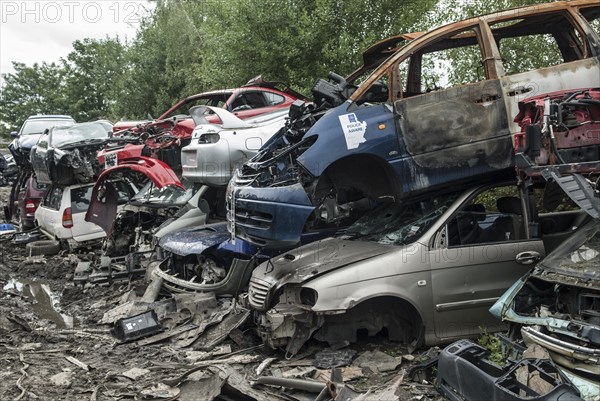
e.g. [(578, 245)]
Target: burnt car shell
[(416, 140)]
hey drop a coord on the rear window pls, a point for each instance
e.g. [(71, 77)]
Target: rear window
[(38, 186), (53, 198), (80, 199)]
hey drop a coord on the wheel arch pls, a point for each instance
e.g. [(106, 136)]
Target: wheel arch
[(399, 316), (370, 173)]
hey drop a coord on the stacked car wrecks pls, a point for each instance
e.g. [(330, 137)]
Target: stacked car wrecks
[(402, 200)]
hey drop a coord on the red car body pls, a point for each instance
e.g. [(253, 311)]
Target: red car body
[(164, 137)]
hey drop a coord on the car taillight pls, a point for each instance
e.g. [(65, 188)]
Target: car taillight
[(209, 138), (67, 218), (30, 206)]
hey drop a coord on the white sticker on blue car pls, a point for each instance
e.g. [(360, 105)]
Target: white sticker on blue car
[(354, 130)]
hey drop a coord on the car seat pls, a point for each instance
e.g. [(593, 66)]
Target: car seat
[(509, 225)]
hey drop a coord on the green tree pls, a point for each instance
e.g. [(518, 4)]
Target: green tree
[(93, 68), (298, 41), (162, 60), (39, 89)]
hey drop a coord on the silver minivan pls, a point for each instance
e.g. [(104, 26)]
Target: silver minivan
[(422, 272)]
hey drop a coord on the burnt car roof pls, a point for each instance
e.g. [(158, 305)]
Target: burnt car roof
[(533, 25)]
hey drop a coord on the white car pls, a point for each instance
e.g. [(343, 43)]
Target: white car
[(61, 215), (217, 150)]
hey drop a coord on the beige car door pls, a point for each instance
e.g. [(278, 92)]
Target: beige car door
[(480, 252)]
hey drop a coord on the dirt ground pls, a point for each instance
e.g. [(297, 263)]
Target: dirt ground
[(54, 348)]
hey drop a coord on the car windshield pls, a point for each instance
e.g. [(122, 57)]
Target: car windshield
[(399, 224), (167, 195), (214, 100), (76, 134), (579, 255), (39, 126)]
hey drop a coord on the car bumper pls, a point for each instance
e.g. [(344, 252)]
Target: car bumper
[(271, 217), (207, 163)]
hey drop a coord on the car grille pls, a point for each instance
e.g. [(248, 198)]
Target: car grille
[(258, 293), (244, 180), (252, 219)]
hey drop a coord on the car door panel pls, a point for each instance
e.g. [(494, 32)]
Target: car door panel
[(470, 279), (465, 126)]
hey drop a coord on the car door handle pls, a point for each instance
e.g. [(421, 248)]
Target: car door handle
[(520, 90), (528, 257)]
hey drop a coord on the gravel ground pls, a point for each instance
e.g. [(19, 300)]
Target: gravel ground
[(53, 348)]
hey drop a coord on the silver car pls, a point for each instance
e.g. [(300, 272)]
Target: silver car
[(424, 272), (217, 150)]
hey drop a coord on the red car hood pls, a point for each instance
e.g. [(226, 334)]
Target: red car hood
[(158, 172)]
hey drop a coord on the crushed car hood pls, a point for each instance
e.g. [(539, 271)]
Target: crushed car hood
[(158, 172), (195, 240), (104, 201), (304, 263)]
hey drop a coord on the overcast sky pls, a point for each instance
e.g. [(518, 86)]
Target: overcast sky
[(35, 31)]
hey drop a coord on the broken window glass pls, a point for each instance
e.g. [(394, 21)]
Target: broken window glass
[(579, 255), (399, 224)]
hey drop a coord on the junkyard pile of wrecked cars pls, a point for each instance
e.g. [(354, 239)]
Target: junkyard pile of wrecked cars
[(402, 234)]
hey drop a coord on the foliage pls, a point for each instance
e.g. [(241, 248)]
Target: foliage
[(185, 47), (494, 345), (92, 67), (39, 89)]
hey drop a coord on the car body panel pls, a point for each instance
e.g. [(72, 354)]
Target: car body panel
[(194, 240), (213, 163)]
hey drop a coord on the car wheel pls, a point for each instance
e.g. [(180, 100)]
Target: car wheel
[(44, 247)]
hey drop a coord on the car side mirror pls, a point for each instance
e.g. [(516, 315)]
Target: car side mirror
[(14, 134)]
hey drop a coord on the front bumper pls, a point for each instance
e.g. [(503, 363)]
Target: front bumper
[(268, 217), (207, 164)]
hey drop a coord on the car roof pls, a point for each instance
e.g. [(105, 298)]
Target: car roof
[(517, 13), (50, 117)]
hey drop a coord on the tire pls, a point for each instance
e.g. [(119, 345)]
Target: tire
[(44, 247)]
